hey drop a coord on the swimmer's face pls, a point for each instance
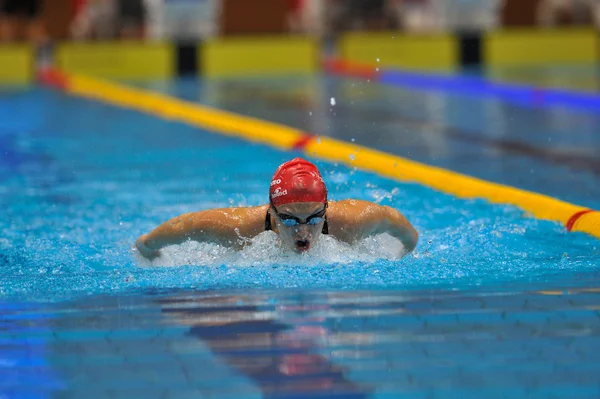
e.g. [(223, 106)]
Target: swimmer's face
[(299, 224)]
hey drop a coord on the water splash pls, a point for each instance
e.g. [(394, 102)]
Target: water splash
[(266, 249)]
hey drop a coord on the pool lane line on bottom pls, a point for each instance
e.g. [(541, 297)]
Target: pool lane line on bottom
[(575, 218)]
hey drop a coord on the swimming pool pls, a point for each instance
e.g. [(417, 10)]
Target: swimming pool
[(491, 304)]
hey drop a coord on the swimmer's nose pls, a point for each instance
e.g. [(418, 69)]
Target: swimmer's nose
[(303, 232)]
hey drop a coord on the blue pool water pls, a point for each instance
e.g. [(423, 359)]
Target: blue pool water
[(576, 77), (490, 304), (547, 150)]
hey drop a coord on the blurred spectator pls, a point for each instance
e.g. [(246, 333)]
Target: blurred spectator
[(596, 13), (567, 12), (421, 16), (307, 16), (371, 14), (21, 20), (295, 15), (94, 19), (109, 19), (415, 15), (469, 15), (131, 19), (362, 15)]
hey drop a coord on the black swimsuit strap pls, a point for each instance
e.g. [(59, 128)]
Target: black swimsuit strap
[(268, 222), (268, 226)]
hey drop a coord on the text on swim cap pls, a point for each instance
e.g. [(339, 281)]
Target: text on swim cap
[(274, 182), (278, 193)]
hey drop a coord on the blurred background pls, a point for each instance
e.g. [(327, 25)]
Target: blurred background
[(473, 32), (193, 19)]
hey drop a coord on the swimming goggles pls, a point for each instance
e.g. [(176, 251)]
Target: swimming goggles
[(291, 221)]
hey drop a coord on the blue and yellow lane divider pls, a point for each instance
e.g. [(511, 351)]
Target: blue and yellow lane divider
[(573, 217)]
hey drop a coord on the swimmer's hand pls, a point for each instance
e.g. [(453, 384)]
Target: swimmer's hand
[(146, 252)]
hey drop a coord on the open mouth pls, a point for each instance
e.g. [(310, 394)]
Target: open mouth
[(302, 245)]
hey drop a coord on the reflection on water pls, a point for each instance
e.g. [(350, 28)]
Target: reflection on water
[(280, 356), (296, 344)]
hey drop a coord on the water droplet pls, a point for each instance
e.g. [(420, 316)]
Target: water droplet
[(353, 139), (376, 69), (318, 140), (377, 59), (332, 101), (352, 157), (310, 113)]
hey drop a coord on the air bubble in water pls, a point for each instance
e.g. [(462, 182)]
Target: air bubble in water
[(332, 101)]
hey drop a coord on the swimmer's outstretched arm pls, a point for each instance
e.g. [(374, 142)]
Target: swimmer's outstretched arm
[(395, 224), (225, 226), (365, 218)]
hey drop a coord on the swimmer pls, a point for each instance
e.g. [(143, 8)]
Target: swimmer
[(298, 212)]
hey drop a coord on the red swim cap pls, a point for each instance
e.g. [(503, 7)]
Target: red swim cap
[(297, 181)]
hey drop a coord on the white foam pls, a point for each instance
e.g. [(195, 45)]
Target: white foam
[(265, 249)]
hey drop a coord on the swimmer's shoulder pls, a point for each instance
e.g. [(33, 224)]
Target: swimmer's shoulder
[(345, 217), (241, 215), (250, 221), (223, 225), (239, 212), (349, 207)]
